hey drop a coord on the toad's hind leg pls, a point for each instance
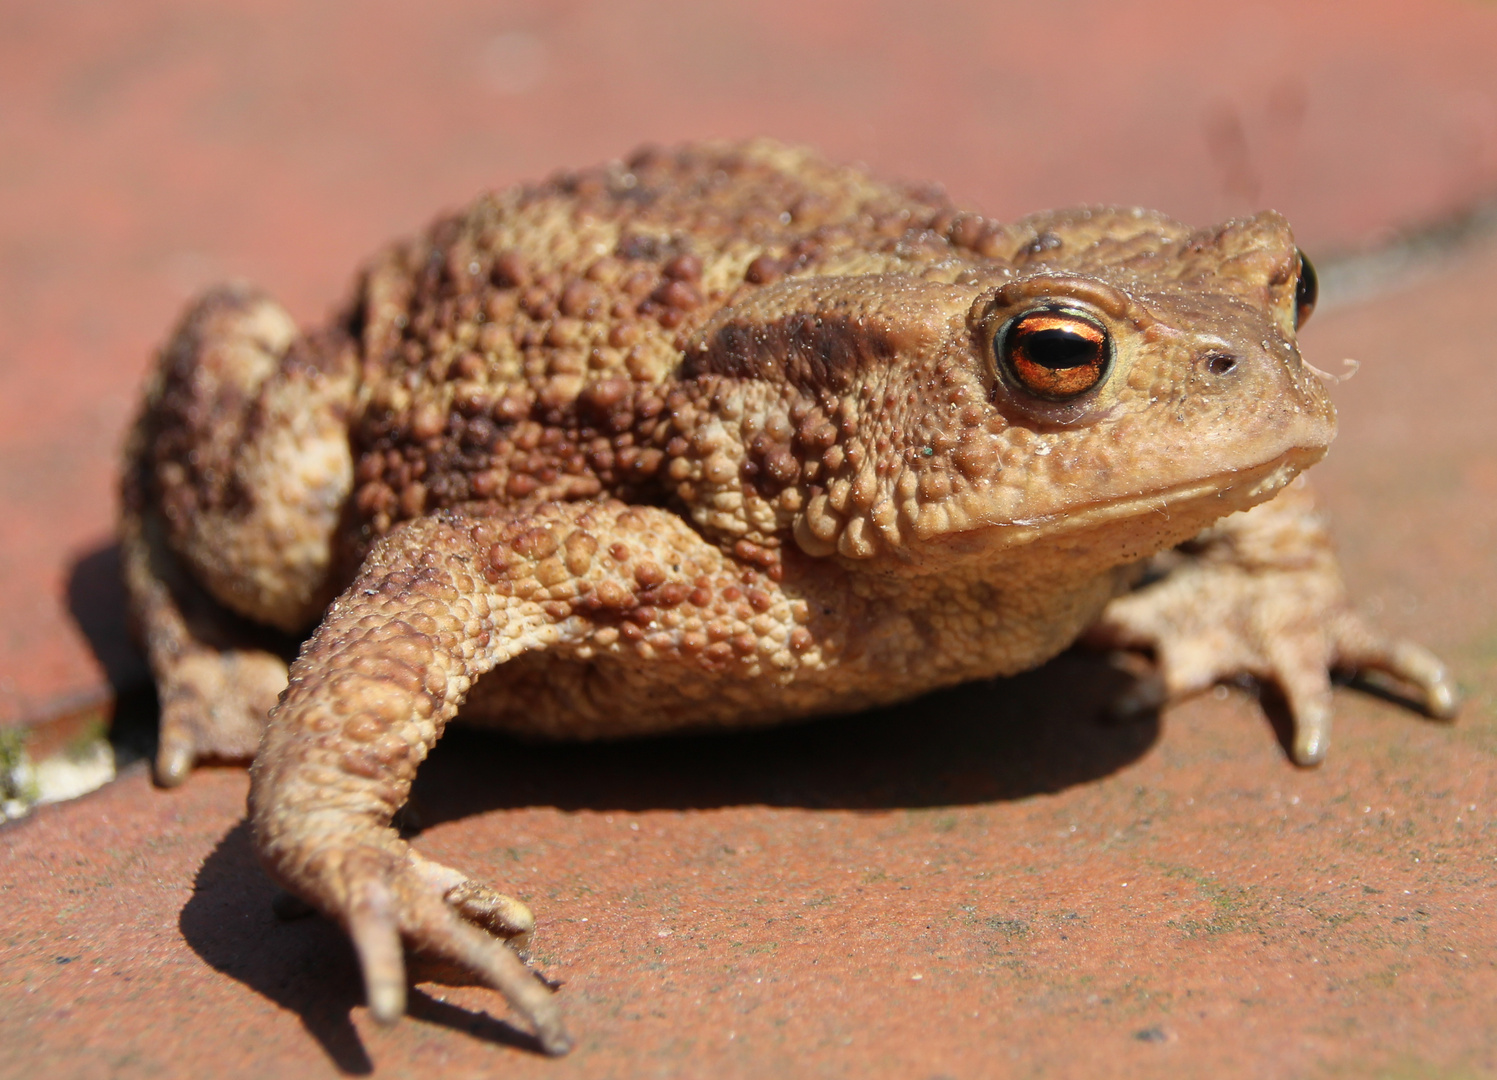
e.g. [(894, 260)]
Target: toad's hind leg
[(235, 475), (438, 602)]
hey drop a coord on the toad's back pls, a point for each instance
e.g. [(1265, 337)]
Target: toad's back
[(510, 353)]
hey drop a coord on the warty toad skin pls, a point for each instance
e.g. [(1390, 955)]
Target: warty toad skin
[(716, 437)]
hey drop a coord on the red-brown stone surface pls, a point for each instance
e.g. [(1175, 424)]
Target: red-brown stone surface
[(1167, 898)]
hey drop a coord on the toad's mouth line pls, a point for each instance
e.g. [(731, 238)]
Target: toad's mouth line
[(1243, 487)]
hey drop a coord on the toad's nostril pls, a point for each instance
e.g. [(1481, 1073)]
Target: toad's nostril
[(1220, 363)]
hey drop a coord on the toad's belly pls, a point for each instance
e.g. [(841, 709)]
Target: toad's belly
[(621, 695), (552, 697)]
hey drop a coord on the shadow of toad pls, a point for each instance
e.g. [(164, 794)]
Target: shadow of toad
[(982, 742), (979, 743)]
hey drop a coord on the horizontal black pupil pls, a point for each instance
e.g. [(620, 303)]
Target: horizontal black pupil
[(1059, 349)]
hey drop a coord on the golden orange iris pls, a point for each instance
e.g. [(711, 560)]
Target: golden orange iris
[(1054, 354)]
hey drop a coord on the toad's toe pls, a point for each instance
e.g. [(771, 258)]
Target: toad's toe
[(1360, 649)]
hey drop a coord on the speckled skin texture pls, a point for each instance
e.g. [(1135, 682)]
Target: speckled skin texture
[(708, 438)]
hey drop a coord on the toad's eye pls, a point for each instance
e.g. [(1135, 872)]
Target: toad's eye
[(1306, 291), (1053, 354)]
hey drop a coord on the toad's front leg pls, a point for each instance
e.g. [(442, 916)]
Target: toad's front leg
[(1261, 594), (438, 603)]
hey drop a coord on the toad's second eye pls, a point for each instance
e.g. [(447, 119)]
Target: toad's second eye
[(1306, 291), (1053, 354)]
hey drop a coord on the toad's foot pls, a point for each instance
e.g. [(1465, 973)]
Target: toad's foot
[(1261, 594), (213, 706), (386, 894), (217, 677)]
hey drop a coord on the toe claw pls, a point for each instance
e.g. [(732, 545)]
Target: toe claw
[(1312, 736), (376, 938), (174, 761), (1442, 699), (554, 1039)]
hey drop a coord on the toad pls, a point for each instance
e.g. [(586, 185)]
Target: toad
[(719, 437)]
